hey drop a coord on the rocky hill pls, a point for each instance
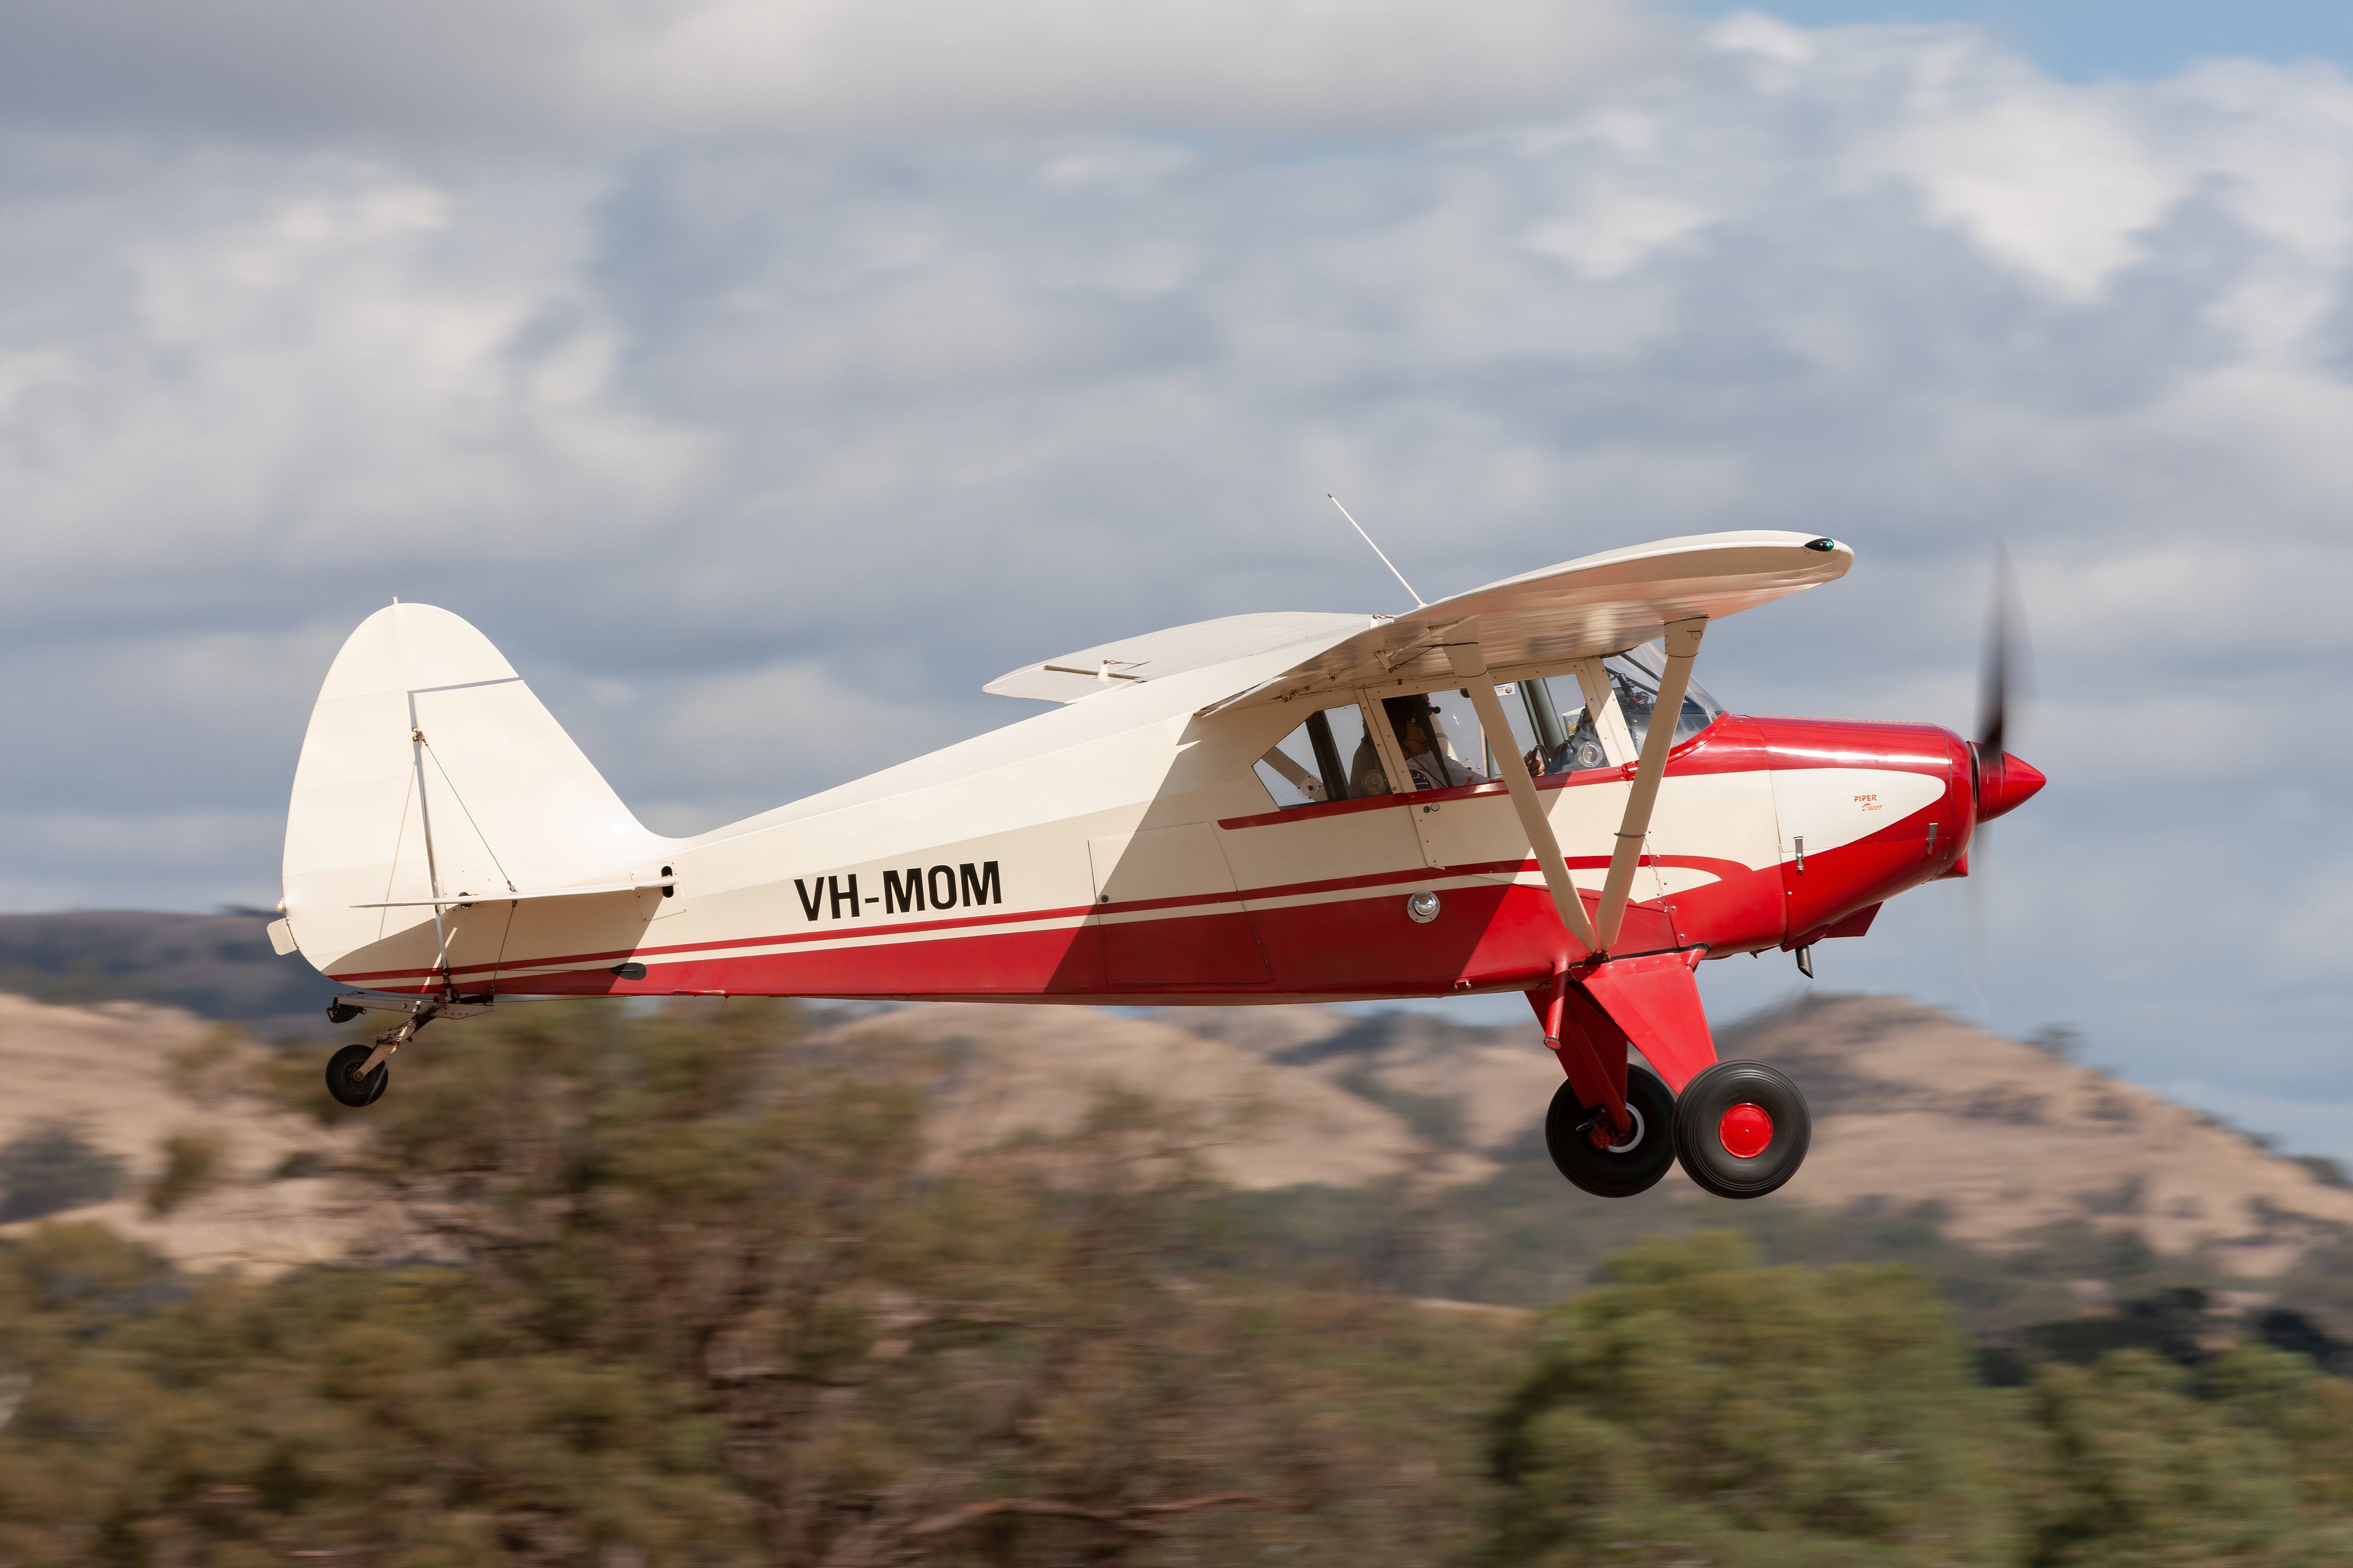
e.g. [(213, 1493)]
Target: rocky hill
[(1911, 1107), (130, 1081), (1916, 1106), (1916, 1112)]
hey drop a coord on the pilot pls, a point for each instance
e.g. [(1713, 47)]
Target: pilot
[(1580, 750)]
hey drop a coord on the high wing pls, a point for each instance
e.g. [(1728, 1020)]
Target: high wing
[(1158, 655), (1598, 605)]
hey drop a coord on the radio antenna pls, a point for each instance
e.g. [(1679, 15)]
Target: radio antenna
[(1420, 602)]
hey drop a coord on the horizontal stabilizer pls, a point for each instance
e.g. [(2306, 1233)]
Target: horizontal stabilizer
[(460, 899)]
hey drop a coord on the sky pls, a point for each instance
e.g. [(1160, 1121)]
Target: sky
[(763, 380), (2084, 40)]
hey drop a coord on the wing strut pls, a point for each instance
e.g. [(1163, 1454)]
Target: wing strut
[(1682, 646), (432, 867), (1468, 660)]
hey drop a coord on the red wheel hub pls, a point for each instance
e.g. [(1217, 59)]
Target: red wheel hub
[(1746, 1132)]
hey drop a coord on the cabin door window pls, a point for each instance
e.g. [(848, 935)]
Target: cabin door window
[(1328, 757)]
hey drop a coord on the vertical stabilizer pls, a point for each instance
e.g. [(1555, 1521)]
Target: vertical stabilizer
[(431, 771)]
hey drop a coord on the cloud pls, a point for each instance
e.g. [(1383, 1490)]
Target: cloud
[(2046, 179), (823, 68), (313, 365), (759, 438)]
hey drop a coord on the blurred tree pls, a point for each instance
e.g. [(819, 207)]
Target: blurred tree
[(2327, 1169), (2139, 1461), (1698, 1407), (51, 1166), (190, 1161), (344, 1415), (2061, 1040), (1018, 1356), (692, 1290), (222, 1063)]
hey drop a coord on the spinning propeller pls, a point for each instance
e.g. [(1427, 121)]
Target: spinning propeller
[(2003, 782)]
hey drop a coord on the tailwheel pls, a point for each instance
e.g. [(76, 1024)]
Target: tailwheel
[(1741, 1129), (1578, 1137), (348, 1084)]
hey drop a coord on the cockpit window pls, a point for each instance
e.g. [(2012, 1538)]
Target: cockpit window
[(1560, 740), (1326, 758), (1634, 675)]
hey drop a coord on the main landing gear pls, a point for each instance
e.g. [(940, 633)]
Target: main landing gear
[(1739, 1128), (1742, 1129), (1589, 1153)]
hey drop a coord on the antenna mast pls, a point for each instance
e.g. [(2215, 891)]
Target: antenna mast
[(1420, 602)]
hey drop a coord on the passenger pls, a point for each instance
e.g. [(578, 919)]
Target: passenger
[(1428, 758)]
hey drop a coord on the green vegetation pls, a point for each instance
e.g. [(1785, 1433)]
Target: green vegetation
[(50, 1166), (677, 1290), (1521, 1238), (1695, 1405), (217, 966), (192, 1161), (78, 985), (1697, 1408)]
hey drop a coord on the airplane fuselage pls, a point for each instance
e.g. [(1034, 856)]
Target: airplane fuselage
[(1769, 833)]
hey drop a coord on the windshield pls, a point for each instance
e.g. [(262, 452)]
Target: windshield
[(1634, 675)]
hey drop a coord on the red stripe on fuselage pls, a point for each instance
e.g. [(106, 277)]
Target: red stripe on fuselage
[(1419, 874), (1492, 935)]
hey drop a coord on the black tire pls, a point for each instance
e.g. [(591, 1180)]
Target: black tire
[(1719, 1137), (352, 1090), (1632, 1167)]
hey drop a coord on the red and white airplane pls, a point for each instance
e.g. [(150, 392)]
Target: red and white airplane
[(1477, 796)]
